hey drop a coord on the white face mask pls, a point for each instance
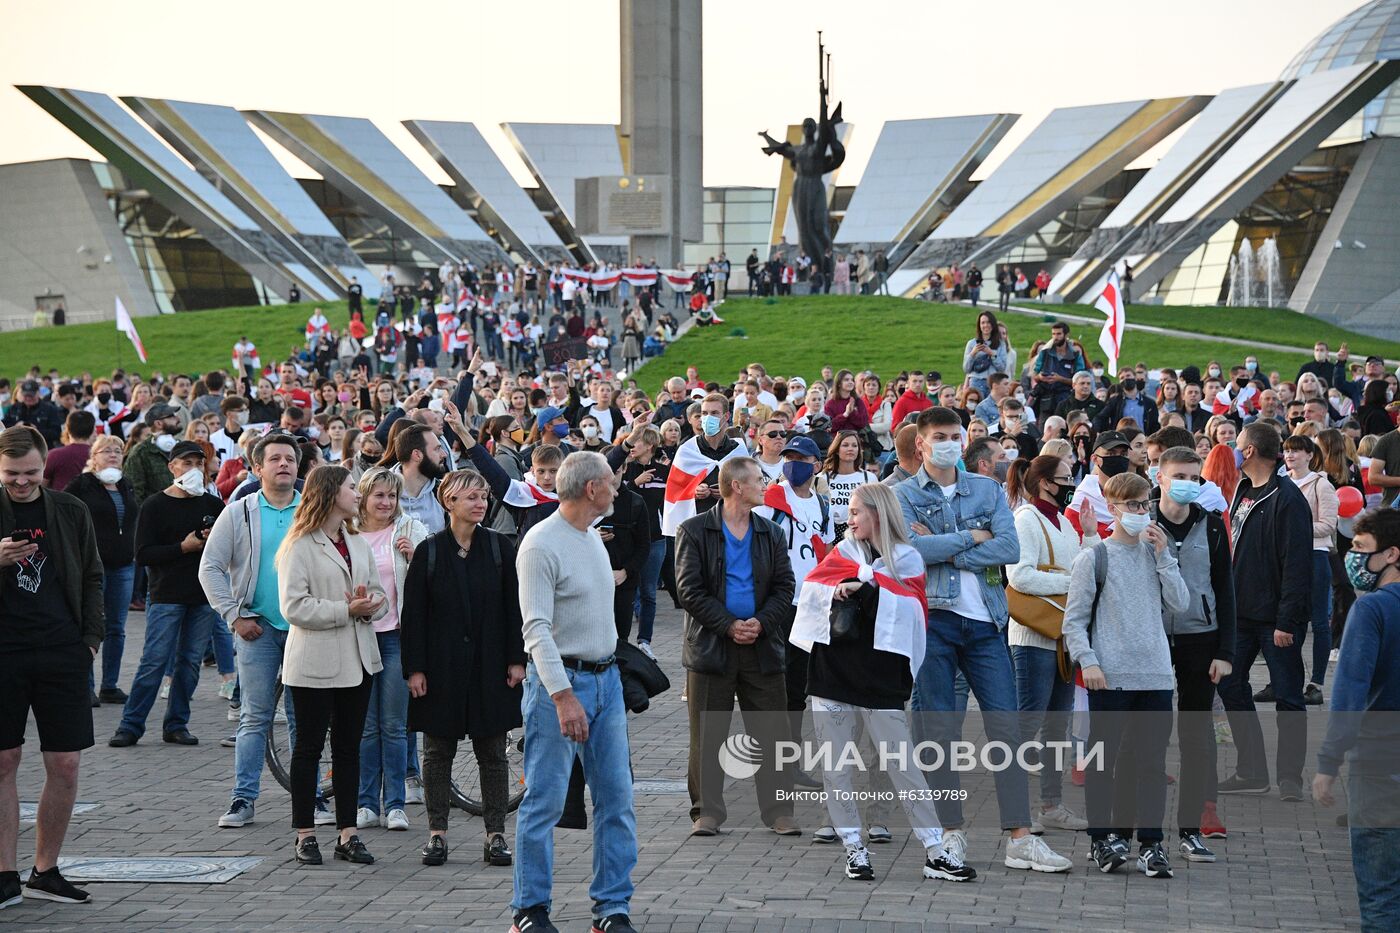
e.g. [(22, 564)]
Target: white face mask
[(1012, 453), (109, 475), (1097, 373), (590, 432), (797, 394), (191, 481), (946, 453), (1134, 523), (241, 418), (166, 442)]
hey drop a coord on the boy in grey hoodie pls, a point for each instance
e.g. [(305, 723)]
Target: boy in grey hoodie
[(1113, 630)]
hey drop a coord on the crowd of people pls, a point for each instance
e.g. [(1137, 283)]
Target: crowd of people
[(427, 547)]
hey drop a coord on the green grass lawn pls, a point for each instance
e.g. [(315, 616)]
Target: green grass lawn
[(191, 342), (800, 335), (1272, 325)]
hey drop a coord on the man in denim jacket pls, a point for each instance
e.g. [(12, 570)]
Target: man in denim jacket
[(964, 530)]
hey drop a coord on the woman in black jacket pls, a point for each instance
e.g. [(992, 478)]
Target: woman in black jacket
[(109, 500), (464, 658), (1372, 415), (626, 534)]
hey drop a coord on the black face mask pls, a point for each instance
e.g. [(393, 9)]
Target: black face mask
[(104, 397), (1131, 385), (1064, 495), (369, 461), (1294, 422), (1112, 466)]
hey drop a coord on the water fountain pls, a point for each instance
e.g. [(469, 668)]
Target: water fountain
[(1242, 276), (1270, 275)]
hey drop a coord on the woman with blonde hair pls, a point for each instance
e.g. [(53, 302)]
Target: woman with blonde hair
[(391, 536), (330, 594), (464, 658), (112, 505), (872, 581)]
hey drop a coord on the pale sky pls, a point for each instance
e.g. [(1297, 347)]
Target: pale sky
[(557, 61)]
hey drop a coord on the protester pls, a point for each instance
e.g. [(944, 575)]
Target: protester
[(464, 658), (573, 703), (239, 575), (170, 533), (50, 630), (391, 536), (1303, 460)]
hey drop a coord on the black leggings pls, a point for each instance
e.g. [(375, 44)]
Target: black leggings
[(342, 710)]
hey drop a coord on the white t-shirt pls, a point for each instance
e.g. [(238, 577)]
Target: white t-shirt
[(807, 521), (842, 485), (774, 471), (969, 604)]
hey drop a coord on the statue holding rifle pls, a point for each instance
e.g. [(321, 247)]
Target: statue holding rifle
[(819, 153)]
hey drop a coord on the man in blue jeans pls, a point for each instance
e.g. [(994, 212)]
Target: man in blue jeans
[(573, 702), (964, 530), (239, 576), (1364, 726), (170, 533)]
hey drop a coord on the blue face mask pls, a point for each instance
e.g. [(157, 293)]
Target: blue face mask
[(798, 472), (1152, 472), (710, 424), (561, 430), (1184, 492)]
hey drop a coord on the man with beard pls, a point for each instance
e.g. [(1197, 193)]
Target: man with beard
[(418, 456), (1054, 370)]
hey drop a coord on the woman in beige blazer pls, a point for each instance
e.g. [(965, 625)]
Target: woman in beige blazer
[(330, 594)]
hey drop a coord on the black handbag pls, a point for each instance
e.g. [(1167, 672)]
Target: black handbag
[(847, 614)]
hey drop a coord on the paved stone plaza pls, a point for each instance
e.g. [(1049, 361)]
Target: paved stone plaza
[(163, 800)]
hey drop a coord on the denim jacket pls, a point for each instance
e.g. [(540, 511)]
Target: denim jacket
[(978, 502)]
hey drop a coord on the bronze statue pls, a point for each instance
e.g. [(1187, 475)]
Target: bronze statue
[(819, 152)]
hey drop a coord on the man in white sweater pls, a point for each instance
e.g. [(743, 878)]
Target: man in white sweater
[(573, 701), (1113, 630)]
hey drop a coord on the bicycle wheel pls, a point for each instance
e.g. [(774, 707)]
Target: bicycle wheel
[(279, 746), (466, 774)]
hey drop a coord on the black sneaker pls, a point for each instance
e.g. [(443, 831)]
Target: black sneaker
[(1266, 695), (1312, 696), (614, 923), (1195, 850), (308, 851), (229, 741), (1234, 784), (1152, 862), (434, 851), (122, 739), (858, 867), (1109, 854), (51, 886), (10, 891), (947, 867), (95, 701), (534, 920), (182, 737), (239, 813), (111, 695), (1291, 791), (353, 850), (496, 852), (880, 834)]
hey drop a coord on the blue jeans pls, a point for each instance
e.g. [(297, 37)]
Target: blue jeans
[(1373, 802), (1321, 615), (977, 650), (172, 631), (1286, 674), (116, 599), (384, 744), (549, 759), (258, 662), (1046, 702), (222, 642), (644, 606)]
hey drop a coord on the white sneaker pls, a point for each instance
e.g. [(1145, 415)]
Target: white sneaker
[(396, 819), (645, 648), (955, 845), (412, 790), (235, 713), (1031, 853), (324, 816), (1061, 817), (365, 818)]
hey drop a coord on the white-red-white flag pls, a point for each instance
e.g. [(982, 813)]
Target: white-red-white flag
[(126, 326), (1110, 302), (688, 470)]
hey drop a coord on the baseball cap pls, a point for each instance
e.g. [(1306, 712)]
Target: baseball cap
[(803, 445), (159, 411), (1110, 439), (29, 387), (1375, 359), (547, 414), (186, 449), (799, 380)]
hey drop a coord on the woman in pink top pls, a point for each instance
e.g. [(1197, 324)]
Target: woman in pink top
[(391, 537)]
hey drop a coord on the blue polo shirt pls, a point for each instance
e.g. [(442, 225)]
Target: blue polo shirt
[(738, 573), (273, 523)]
